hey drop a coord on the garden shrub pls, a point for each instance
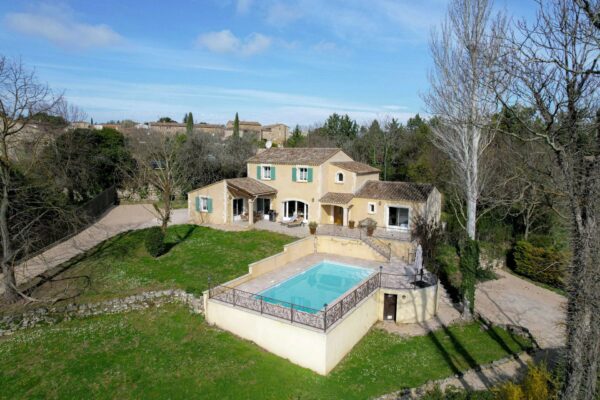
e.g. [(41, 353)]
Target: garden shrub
[(155, 241), (538, 384), (448, 263), (469, 264), (542, 264)]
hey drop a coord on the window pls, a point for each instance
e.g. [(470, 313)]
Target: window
[(203, 203), (266, 172), (398, 217), (339, 177), (371, 208), (303, 174)]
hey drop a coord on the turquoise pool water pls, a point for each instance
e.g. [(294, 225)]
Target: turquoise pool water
[(318, 285)]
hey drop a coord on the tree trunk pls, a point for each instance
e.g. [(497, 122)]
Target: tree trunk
[(583, 330), (10, 292), (167, 211)]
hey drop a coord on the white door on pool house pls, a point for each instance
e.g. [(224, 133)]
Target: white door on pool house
[(293, 209)]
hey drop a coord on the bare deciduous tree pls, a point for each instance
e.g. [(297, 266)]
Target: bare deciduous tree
[(158, 165), (553, 65), (462, 96), (22, 96)]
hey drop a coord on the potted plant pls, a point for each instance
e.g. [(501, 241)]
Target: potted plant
[(313, 227), (370, 224), (351, 224)]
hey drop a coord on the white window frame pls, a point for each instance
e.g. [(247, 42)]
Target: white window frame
[(336, 177), (262, 172), (299, 177), (397, 227), (374, 208), (204, 203)]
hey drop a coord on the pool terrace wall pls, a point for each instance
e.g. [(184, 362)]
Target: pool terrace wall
[(310, 348)]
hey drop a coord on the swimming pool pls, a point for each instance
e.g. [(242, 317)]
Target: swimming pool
[(318, 285)]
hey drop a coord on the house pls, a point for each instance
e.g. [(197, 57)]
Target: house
[(246, 128), (313, 184), (276, 133)]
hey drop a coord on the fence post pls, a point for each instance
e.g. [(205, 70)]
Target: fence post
[(233, 297), (380, 274), (209, 288), (261, 303), (292, 313), (325, 318)]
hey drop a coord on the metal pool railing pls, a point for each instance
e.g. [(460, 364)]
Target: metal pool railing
[(329, 314)]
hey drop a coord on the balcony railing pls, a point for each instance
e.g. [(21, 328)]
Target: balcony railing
[(327, 316), (360, 233)]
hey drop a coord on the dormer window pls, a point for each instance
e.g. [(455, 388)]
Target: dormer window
[(339, 177)]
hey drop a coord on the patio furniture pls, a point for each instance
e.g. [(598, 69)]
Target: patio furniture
[(296, 223)]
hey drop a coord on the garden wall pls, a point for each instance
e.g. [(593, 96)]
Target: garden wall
[(52, 315)]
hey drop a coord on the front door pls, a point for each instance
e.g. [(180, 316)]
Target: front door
[(389, 307), (338, 215)]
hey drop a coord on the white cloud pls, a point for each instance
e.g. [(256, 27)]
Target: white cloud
[(226, 42), (61, 29), (324, 46), (243, 6)]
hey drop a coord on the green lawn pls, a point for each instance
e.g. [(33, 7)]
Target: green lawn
[(170, 353), (121, 265)]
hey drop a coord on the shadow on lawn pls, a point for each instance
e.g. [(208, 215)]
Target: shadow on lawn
[(56, 285), (455, 362), (180, 237)]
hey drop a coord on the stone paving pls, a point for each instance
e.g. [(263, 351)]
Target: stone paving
[(272, 278)]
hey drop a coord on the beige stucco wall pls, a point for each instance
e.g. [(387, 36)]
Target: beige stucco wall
[(218, 193), (359, 210), (347, 247), (303, 346), (291, 252), (413, 306), (343, 336), (307, 192)]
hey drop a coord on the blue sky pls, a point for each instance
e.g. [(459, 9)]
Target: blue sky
[(293, 61)]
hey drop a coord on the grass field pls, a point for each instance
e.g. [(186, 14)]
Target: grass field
[(170, 353), (121, 265)]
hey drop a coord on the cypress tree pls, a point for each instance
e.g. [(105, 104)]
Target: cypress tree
[(189, 121), (236, 126)]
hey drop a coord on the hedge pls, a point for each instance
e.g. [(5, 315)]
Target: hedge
[(542, 264)]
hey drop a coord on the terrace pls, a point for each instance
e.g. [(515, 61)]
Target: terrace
[(318, 335)]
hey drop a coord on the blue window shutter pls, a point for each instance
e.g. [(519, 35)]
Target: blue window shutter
[(273, 173), (258, 172), (294, 174), (209, 204), (310, 175), (197, 203)]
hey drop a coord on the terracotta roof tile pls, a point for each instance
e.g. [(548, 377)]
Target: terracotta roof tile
[(395, 191), (250, 186), (355, 166), (336, 198), (294, 156)]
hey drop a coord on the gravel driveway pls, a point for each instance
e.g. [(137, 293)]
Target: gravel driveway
[(512, 300), (118, 219)]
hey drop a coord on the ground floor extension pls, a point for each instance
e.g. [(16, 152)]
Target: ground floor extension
[(273, 304)]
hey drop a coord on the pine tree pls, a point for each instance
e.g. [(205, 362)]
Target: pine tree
[(236, 126)]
